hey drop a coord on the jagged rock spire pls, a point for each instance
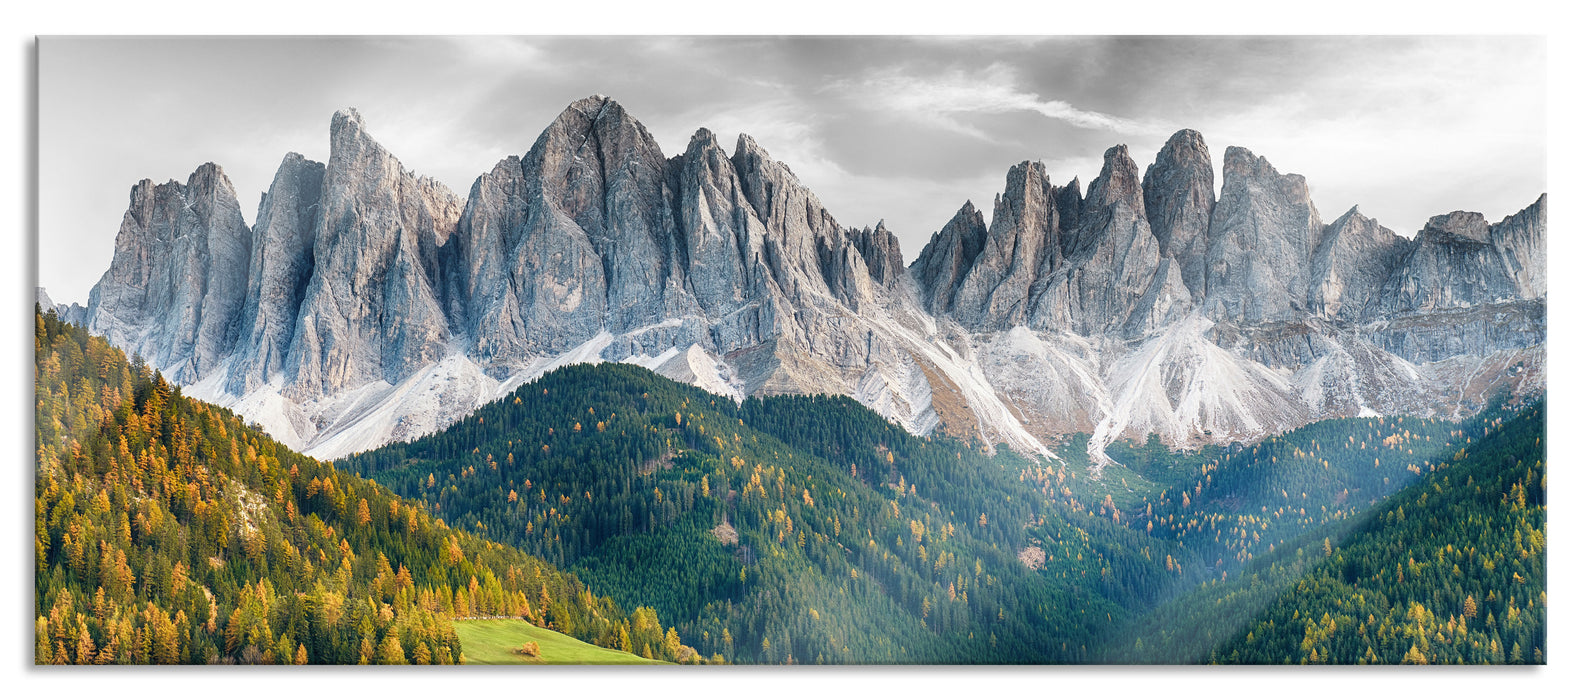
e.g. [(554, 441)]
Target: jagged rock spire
[(176, 286), (1355, 257), (1260, 244), (1178, 193), (370, 312)]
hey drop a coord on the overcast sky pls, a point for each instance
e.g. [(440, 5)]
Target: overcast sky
[(899, 129)]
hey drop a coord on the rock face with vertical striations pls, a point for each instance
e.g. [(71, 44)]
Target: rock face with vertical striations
[(1467, 288), (176, 286), (948, 257), (1260, 243), (369, 304), (1114, 280), (1453, 264), (1178, 194), (1354, 259), (1522, 241), (370, 312), (288, 221), (1023, 241)]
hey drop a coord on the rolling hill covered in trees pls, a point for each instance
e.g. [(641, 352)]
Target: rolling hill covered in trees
[(860, 544), (166, 531), (1450, 571), (800, 529)]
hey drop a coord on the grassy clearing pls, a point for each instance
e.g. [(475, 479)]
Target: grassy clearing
[(492, 642)]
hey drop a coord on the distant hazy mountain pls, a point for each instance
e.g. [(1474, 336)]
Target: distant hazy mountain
[(368, 303)]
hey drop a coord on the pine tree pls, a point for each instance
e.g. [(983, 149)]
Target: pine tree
[(390, 652)]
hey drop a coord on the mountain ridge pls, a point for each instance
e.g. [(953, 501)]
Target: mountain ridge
[(376, 305)]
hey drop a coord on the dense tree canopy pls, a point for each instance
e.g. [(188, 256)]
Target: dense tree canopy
[(1450, 570), (166, 531)]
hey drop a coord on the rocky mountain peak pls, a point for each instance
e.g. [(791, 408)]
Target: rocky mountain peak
[(703, 136), (373, 314), (1178, 194), (1457, 227), (1024, 175), (747, 148), (175, 287), (281, 264), (1261, 240), (1022, 241), (950, 253), (595, 132), (1117, 180), (368, 303), (1115, 279), (1184, 146), (762, 177), (1354, 258), (881, 252), (346, 123), (1244, 165), (209, 181)]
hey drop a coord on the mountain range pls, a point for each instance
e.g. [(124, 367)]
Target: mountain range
[(368, 304)]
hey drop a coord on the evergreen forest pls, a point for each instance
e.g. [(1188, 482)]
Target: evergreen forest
[(167, 532)]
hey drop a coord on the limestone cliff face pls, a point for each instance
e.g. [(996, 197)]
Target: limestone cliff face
[(368, 303), (1453, 264), (1178, 194), (1260, 243), (175, 289), (278, 273), (1522, 241), (1054, 260), (1354, 259), (1115, 280), (1023, 241), (370, 312), (1464, 287), (947, 258)]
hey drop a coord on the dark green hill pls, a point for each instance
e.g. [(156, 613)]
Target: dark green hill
[(804, 529), (167, 531), (790, 529)]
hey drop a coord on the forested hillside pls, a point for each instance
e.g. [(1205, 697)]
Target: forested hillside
[(1448, 571), (783, 530), (167, 531), (1245, 492), (802, 529)]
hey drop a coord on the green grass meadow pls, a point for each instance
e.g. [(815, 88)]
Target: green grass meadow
[(491, 642)]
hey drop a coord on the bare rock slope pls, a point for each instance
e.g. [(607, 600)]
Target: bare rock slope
[(368, 303)]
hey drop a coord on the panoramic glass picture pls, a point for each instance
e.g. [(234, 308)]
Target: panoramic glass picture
[(791, 350)]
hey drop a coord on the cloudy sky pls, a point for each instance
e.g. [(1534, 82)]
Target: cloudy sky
[(899, 129)]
